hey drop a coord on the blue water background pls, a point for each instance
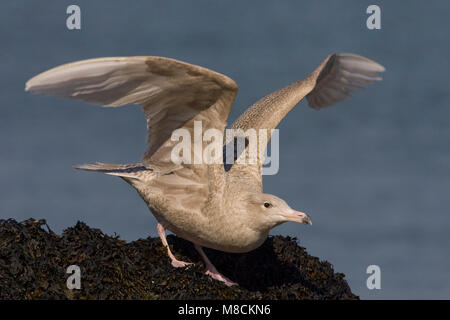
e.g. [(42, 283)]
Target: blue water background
[(373, 172)]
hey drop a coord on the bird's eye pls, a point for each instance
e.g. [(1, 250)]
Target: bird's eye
[(267, 205)]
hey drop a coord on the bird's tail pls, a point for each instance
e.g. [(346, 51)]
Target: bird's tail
[(121, 170)]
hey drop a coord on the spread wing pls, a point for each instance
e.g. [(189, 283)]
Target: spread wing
[(173, 94), (336, 78)]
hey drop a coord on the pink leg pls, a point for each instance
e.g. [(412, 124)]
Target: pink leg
[(211, 269), (175, 262)]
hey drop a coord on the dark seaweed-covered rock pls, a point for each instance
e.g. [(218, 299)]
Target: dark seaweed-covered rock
[(33, 263)]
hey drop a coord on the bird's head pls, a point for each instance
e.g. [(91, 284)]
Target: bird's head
[(267, 211)]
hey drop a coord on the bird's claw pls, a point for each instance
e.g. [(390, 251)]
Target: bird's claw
[(220, 277), (180, 264)]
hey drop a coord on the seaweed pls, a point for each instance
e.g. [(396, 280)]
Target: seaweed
[(34, 261)]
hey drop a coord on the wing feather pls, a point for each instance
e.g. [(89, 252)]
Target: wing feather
[(172, 94), (342, 75), (334, 80)]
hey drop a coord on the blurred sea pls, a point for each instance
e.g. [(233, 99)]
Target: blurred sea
[(373, 172)]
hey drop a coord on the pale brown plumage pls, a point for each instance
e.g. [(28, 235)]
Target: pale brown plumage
[(203, 203)]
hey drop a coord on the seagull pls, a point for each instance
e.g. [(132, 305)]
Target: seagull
[(208, 204)]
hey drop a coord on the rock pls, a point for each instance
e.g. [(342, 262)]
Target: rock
[(34, 260)]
